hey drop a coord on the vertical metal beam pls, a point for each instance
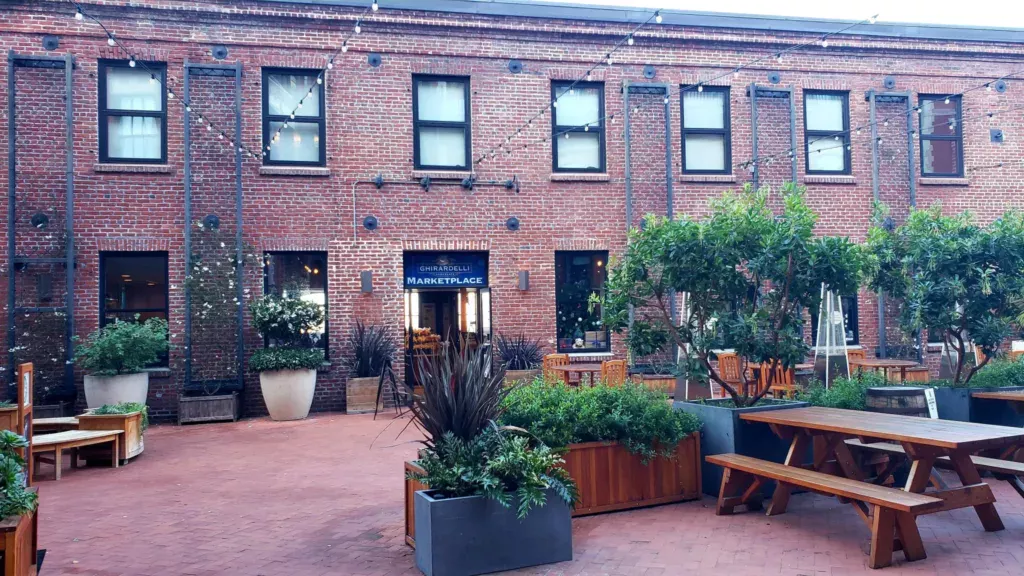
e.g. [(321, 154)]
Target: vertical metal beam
[(792, 131), (188, 229), (69, 218), (239, 256), (753, 133), (669, 193), (11, 176), (882, 352), (629, 177), (911, 165)]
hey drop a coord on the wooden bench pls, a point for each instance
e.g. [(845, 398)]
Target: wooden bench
[(73, 440), (889, 512), (1008, 470), (48, 425)]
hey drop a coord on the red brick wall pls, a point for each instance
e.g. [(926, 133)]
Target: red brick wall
[(369, 124)]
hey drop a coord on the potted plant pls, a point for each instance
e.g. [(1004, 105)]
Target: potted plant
[(955, 402), (520, 356), (131, 417), (17, 507), (373, 349), (497, 499), (115, 358), (744, 275), (288, 366)]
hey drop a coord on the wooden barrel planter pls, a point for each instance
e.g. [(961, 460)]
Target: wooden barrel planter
[(610, 478), (903, 400)]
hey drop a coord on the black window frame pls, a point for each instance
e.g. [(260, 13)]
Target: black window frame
[(321, 120), (158, 69), (602, 255), (958, 137), (823, 134), (163, 362), (725, 131), (466, 125), (267, 254), (849, 312), (558, 131)]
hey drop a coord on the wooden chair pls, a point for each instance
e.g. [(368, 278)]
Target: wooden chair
[(729, 370), (613, 372), (783, 384), (919, 374), (552, 360)]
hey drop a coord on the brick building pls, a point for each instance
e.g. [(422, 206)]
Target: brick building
[(370, 198)]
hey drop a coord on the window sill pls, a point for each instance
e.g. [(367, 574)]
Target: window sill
[(441, 174), (580, 177), (133, 168), (586, 355), (823, 179), (930, 181), (311, 171), (709, 178), (158, 372)]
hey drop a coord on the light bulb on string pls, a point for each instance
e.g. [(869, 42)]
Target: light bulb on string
[(330, 64), (152, 78), (588, 76), (629, 40), (609, 60), (374, 6), (209, 127), (947, 99), (344, 46), (111, 41), (586, 128), (170, 95), (824, 42), (778, 57), (554, 103), (79, 15), (292, 115), (319, 80), (988, 87), (358, 28), (665, 100), (657, 16), (131, 62), (572, 91), (873, 19), (886, 123), (566, 135), (700, 87)]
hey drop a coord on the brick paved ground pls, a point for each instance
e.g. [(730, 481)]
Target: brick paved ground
[(314, 498)]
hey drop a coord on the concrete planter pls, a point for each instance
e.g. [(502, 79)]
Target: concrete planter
[(724, 433), (957, 404), (476, 535), (288, 393), (361, 395), (101, 390), (524, 376)]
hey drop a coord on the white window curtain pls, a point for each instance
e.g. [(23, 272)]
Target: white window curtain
[(825, 112), (441, 100), (581, 150), (704, 110), (131, 89), (134, 137), (286, 90), (442, 146), (826, 154), (580, 108), (705, 152), (137, 137), (299, 142)]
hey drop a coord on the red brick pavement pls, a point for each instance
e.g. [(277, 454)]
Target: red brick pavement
[(315, 498)]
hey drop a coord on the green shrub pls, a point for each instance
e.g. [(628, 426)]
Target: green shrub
[(270, 359), (518, 352), (125, 408), (846, 393), (640, 418), (496, 464), (995, 374), (286, 321), (123, 347), (15, 499)]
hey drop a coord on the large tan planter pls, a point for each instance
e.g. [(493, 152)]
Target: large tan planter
[(101, 390), (288, 393), (525, 376), (361, 395)]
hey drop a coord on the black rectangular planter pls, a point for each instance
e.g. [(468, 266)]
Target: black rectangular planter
[(724, 433), (477, 535), (957, 404)]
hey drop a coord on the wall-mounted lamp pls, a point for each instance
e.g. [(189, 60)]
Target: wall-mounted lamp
[(366, 281), (524, 280)]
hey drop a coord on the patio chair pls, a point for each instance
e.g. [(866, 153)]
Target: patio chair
[(782, 385), (919, 374), (729, 370), (613, 372), (552, 360)]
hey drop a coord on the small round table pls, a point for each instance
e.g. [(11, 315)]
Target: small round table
[(581, 369), (884, 365)]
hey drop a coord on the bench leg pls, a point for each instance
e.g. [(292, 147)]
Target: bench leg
[(910, 537), (114, 453), (969, 476), (882, 533), (780, 499), (58, 461), (1017, 484), (733, 481)]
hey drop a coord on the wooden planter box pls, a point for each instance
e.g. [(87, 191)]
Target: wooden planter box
[(219, 408), (9, 419), (131, 444), (18, 540), (609, 478), (58, 410)]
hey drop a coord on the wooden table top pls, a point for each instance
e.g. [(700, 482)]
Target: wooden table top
[(883, 363), (895, 428), (1009, 395), (580, 367)]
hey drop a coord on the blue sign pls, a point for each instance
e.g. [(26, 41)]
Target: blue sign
[(445, 269)]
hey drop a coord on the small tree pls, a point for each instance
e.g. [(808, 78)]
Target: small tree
[(955, 278), (747, 274)]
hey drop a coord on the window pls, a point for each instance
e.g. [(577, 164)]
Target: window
[(941, 136), (707, 144), (300, 275), (849, 304), (132, 112), (301, 140), (827, 132), (441, 136), (577, 127), (578, 275), (133, 284)]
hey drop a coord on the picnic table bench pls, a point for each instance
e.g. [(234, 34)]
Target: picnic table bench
[(46, 425), (73, 440)]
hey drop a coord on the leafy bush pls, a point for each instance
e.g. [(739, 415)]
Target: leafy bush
[(994, 374), (518, 352), (847, 393), (641, 418), (125, 408), (372, 349), (123, 347), (15, 499), (286, 321), (496, 464), (270, 359)]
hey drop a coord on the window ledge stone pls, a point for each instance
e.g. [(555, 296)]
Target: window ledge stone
[(709, 178), (929, 181), (823, 179), (441, 174), (133, 168), (580, 177), (158, 372), (312, 171), (589, 355)]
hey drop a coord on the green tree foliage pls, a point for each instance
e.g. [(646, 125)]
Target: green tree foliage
[(123, 347), (746, 274), (955, 278), (289, 324)]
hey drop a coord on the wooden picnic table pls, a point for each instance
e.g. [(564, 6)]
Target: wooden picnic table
[(580, 368), (923, 440), (884, 365), (1015, 397)]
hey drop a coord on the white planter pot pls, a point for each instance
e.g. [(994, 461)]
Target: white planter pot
[(100, 390), (288, 393)]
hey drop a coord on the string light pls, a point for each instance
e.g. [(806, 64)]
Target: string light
[(344, 46), (131, 61), (824, 42), (657, 16), (700, 87), (111, 41), (630, 40), (78, 14), (358, 28), (374, 6), (873, 19)]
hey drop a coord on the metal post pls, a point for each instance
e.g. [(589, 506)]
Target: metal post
[(882, 353), (629, 178), (670, 200), (11, 176), (69, 218), (753, 132), (911, 168), (239, 256), (188, 230), (792, 130)]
